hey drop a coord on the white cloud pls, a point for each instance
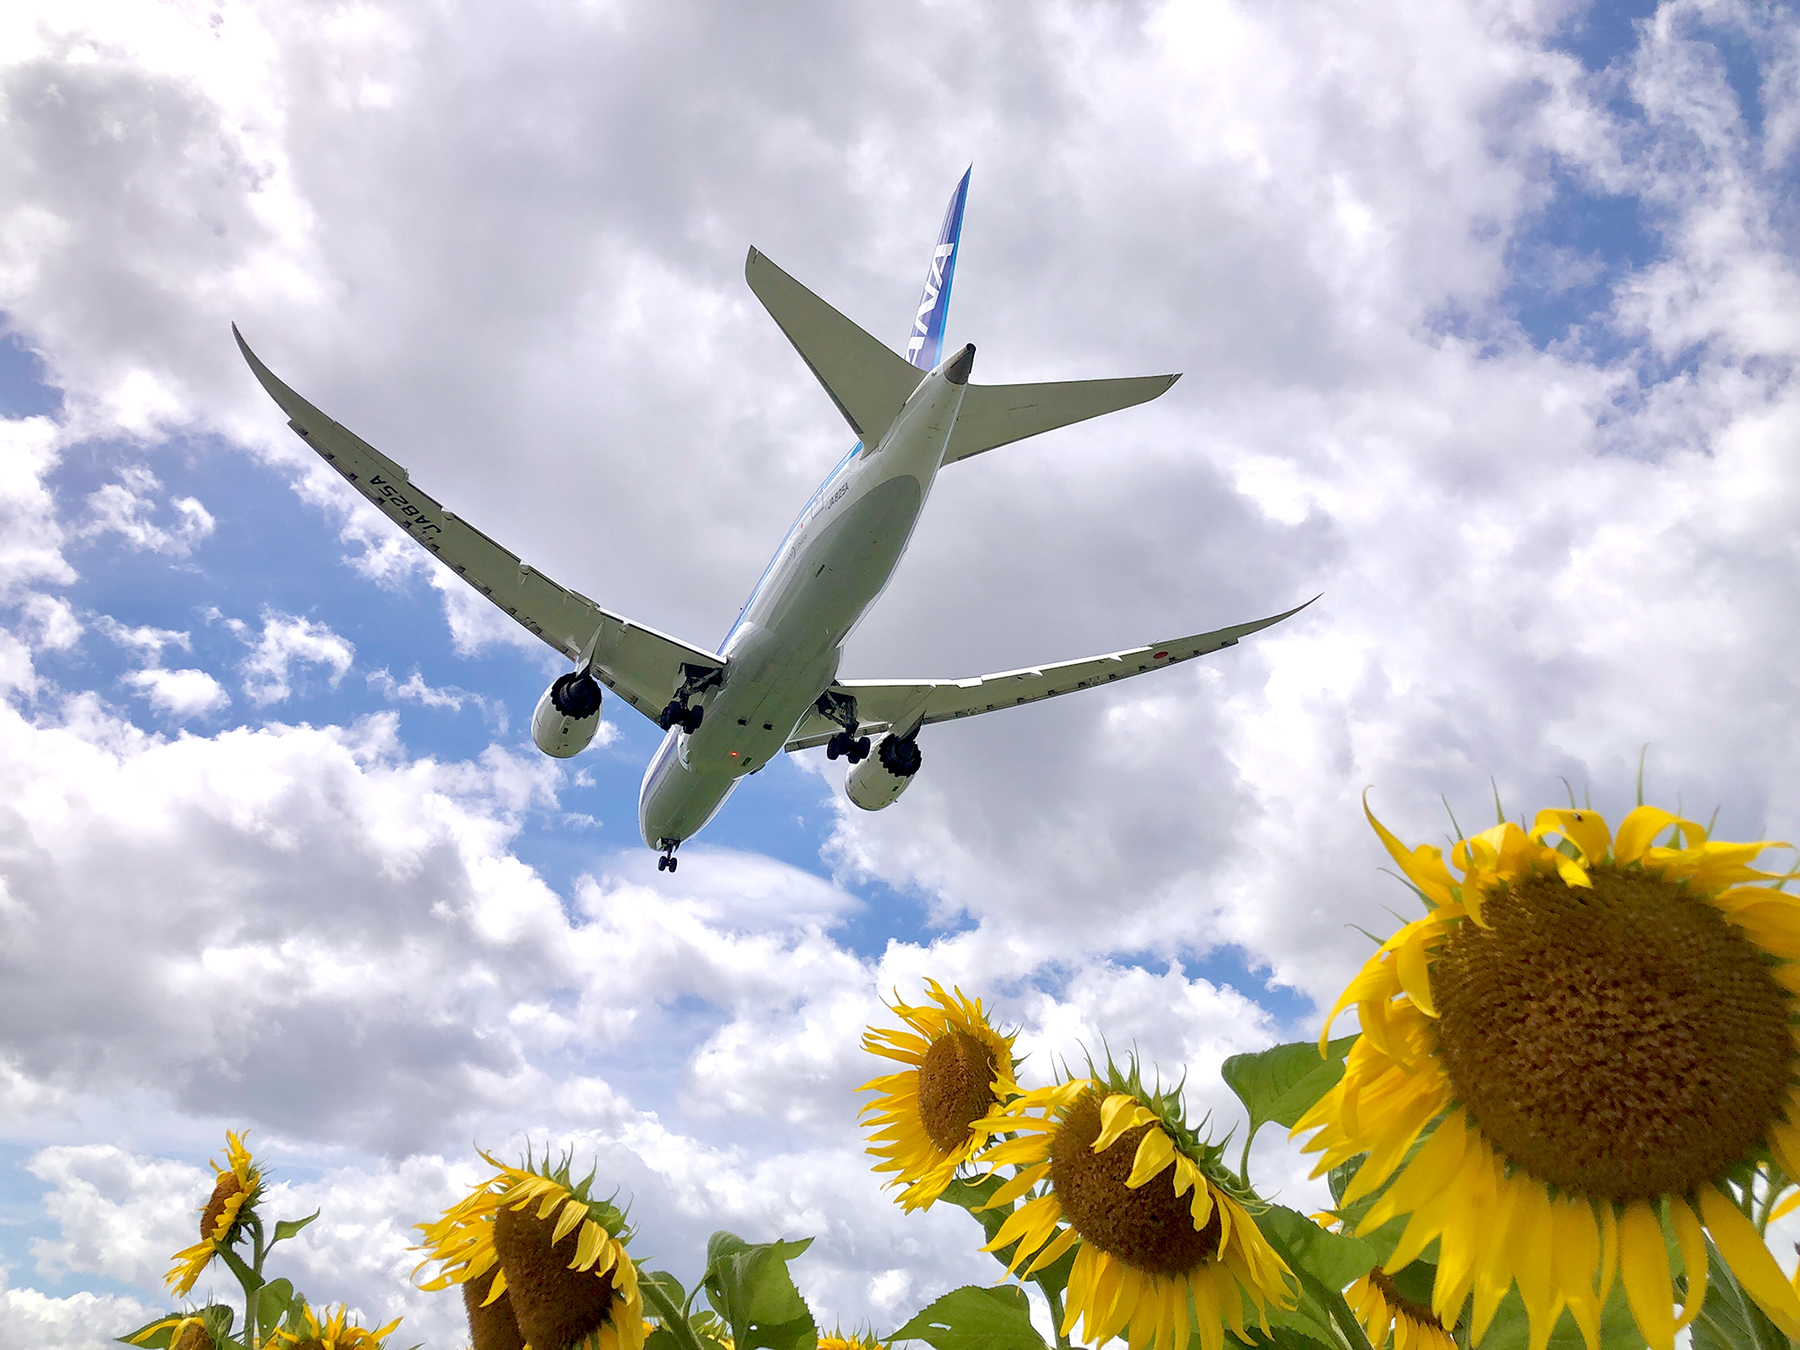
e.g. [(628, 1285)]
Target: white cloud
[(54, 619), (146, 640), (288, 641), (180, 694), (125, 507), (30, 535), (81, 1321)]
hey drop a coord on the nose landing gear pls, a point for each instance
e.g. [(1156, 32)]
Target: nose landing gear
[(667, 862)]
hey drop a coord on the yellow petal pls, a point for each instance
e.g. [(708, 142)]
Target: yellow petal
[(1749, 1260), (1424, 867), (573, 1212), (1584, 829), (1638, 830), (1155, 1151), (1644, 1265), (1119, 1113), (1415, 977), (1692, 1238)]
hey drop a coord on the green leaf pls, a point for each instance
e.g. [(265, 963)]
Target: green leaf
[(1511, 1328), (273, 1302), (247, 1277), (286, 1228), (749, 1286), (1334, 1258), (975, 1317), (1279, 1085)]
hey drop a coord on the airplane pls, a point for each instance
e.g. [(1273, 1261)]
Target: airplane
[(772, 686)]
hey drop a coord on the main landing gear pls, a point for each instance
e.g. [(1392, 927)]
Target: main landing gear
[(678, 714), (694, 680), (667, 862), (853, 748)]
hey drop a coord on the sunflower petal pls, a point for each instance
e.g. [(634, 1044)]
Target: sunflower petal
[(1644, 1267), (1155, 1151), (1692, 1238), (1749, 1260)]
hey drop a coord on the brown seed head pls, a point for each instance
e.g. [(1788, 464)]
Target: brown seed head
[(223, 1189), (1622, 1042), (956, 1087), (1149, 1228), (193, 1337), (493, 1327), (555, 1306)]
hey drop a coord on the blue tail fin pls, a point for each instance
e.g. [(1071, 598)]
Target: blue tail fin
[(925, 344)]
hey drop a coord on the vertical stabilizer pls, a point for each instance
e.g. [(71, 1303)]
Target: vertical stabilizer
[(925, 344)]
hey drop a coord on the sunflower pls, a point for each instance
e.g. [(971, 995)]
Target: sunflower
[(1387, 1313), (960, 1071), (187, 1331), (837, 1340), (557, 1258), (335, 1333), (1601, 1032), (1145, 1206), (236, 1189)]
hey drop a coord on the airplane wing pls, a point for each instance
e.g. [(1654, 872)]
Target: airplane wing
[(639, 664), (904, 705)]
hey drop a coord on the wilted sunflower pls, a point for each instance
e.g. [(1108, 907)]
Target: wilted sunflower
[(562, 1262), (188, 1331), (337, 1332), (233, 1201), (1144, 1204), (1389, 1317), (1600, 1030), (960, 1070)]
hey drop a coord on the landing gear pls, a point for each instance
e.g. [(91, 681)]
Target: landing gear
[(853, 748), (694, 680), (667, 862), (678, 714)]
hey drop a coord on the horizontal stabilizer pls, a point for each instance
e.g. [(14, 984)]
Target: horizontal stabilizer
[(996, 414), (868, 382)]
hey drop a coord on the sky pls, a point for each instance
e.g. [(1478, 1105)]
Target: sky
[(1488, 316)]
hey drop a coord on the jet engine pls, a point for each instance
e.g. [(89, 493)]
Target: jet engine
[(567, 716), (879, 780)]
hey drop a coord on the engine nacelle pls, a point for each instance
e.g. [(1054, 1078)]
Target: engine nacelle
[(567, 716), (880, 779)]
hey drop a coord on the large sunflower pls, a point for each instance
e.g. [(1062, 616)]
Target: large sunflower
[(959, 1072), (562, 1267), (336, 1332), (1145, 1206), (236, 1188), (1601, 1031)]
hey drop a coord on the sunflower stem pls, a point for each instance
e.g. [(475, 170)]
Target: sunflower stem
[(1054, 1299), (672, 1317)]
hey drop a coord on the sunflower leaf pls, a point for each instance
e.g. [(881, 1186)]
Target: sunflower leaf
[(1279, 1085), (1334, 1258), (273, 1302), (159, 1333), (286, 1228), (749, 1286), (975, 1317), (1511, 1328)]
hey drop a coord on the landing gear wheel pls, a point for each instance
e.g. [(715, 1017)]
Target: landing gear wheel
[(662, 864), (691, 718), (840, 744), (674, 863), (667, 862), (862, 751), (671, 714)]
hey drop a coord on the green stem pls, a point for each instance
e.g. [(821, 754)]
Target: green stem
[(672, 1317), (1054, 1299), (1244, 1161)]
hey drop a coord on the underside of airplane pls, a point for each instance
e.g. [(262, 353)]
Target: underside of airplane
[(772, 684)]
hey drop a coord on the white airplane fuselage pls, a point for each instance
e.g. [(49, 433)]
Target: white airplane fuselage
[(784, 650)]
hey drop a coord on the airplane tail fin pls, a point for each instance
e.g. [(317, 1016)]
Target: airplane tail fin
[(866, 380), (925, 343), (996, 414)]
